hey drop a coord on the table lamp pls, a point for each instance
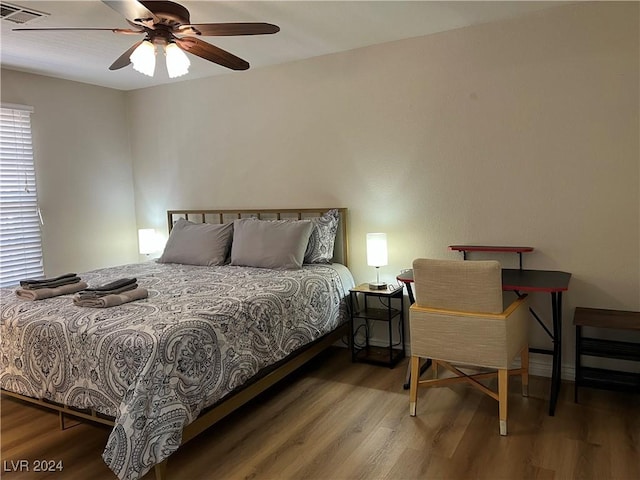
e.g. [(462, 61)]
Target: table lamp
[(377, 257), (147, 241)]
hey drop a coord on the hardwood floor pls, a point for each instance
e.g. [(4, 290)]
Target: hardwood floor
[(338, 420)]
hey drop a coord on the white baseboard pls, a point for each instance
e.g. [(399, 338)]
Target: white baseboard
[(541, 367), (539, 364)]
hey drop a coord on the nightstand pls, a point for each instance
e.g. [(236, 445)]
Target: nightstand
[(369, 307)]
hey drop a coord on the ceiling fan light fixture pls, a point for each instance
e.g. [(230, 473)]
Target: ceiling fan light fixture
[(163, 24), (144, 58), (177, 61)]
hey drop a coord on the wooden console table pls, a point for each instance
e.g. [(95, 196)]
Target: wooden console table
[(596, 347)]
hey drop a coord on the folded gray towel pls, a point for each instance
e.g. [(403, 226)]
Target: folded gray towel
[(115, 285), (51, 282), (89, 293), (40, 293), (30, 281), (111, 300)]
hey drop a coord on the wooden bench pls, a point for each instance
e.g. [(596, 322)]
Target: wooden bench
[(615, 349)]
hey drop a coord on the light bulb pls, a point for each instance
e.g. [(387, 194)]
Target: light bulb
[(177, 61), (144, 58)]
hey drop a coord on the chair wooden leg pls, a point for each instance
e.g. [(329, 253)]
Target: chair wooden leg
[(503, 382), (524, 361), (161, 470), (413, 390)]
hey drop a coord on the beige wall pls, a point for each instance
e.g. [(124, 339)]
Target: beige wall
[(523, 132), (83, 171)]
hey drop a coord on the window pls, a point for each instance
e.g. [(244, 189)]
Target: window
[(20, 239)]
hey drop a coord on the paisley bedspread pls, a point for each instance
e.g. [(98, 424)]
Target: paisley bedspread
[(154, 364)]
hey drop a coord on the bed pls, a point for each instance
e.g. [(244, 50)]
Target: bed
[(207, 339)]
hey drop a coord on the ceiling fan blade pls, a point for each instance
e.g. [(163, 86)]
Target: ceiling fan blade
[(133, 10), (123, 60), (114, 30), (226, 29), (211, 53)]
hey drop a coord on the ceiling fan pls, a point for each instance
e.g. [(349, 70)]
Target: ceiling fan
[(168, 25)]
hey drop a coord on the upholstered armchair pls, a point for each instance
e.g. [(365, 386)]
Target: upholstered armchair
[(458, 318)]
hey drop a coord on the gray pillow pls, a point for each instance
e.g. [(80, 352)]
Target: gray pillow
[(322, 238), (198, 243), (269, 243)]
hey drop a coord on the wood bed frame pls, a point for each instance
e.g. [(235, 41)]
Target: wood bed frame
[(235, 400)]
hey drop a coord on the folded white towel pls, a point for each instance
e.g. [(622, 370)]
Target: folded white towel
[(111, 300), (41, 293)]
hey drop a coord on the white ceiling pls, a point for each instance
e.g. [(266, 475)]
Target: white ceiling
[(308, 29)]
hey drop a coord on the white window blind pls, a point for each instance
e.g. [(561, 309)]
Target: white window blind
[(20, 239)]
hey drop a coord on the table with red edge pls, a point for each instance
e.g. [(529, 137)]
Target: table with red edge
[(521, 281)]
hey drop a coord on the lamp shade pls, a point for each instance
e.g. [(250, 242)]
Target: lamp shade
[(177, 61), (144, 58), (376, 249), (147, 241)]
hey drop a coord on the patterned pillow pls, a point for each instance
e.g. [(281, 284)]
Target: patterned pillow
[(322, 238)]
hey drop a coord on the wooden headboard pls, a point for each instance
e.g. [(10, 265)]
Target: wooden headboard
[(341, 248)]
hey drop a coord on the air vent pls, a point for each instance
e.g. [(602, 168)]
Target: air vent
[(19, 15)]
